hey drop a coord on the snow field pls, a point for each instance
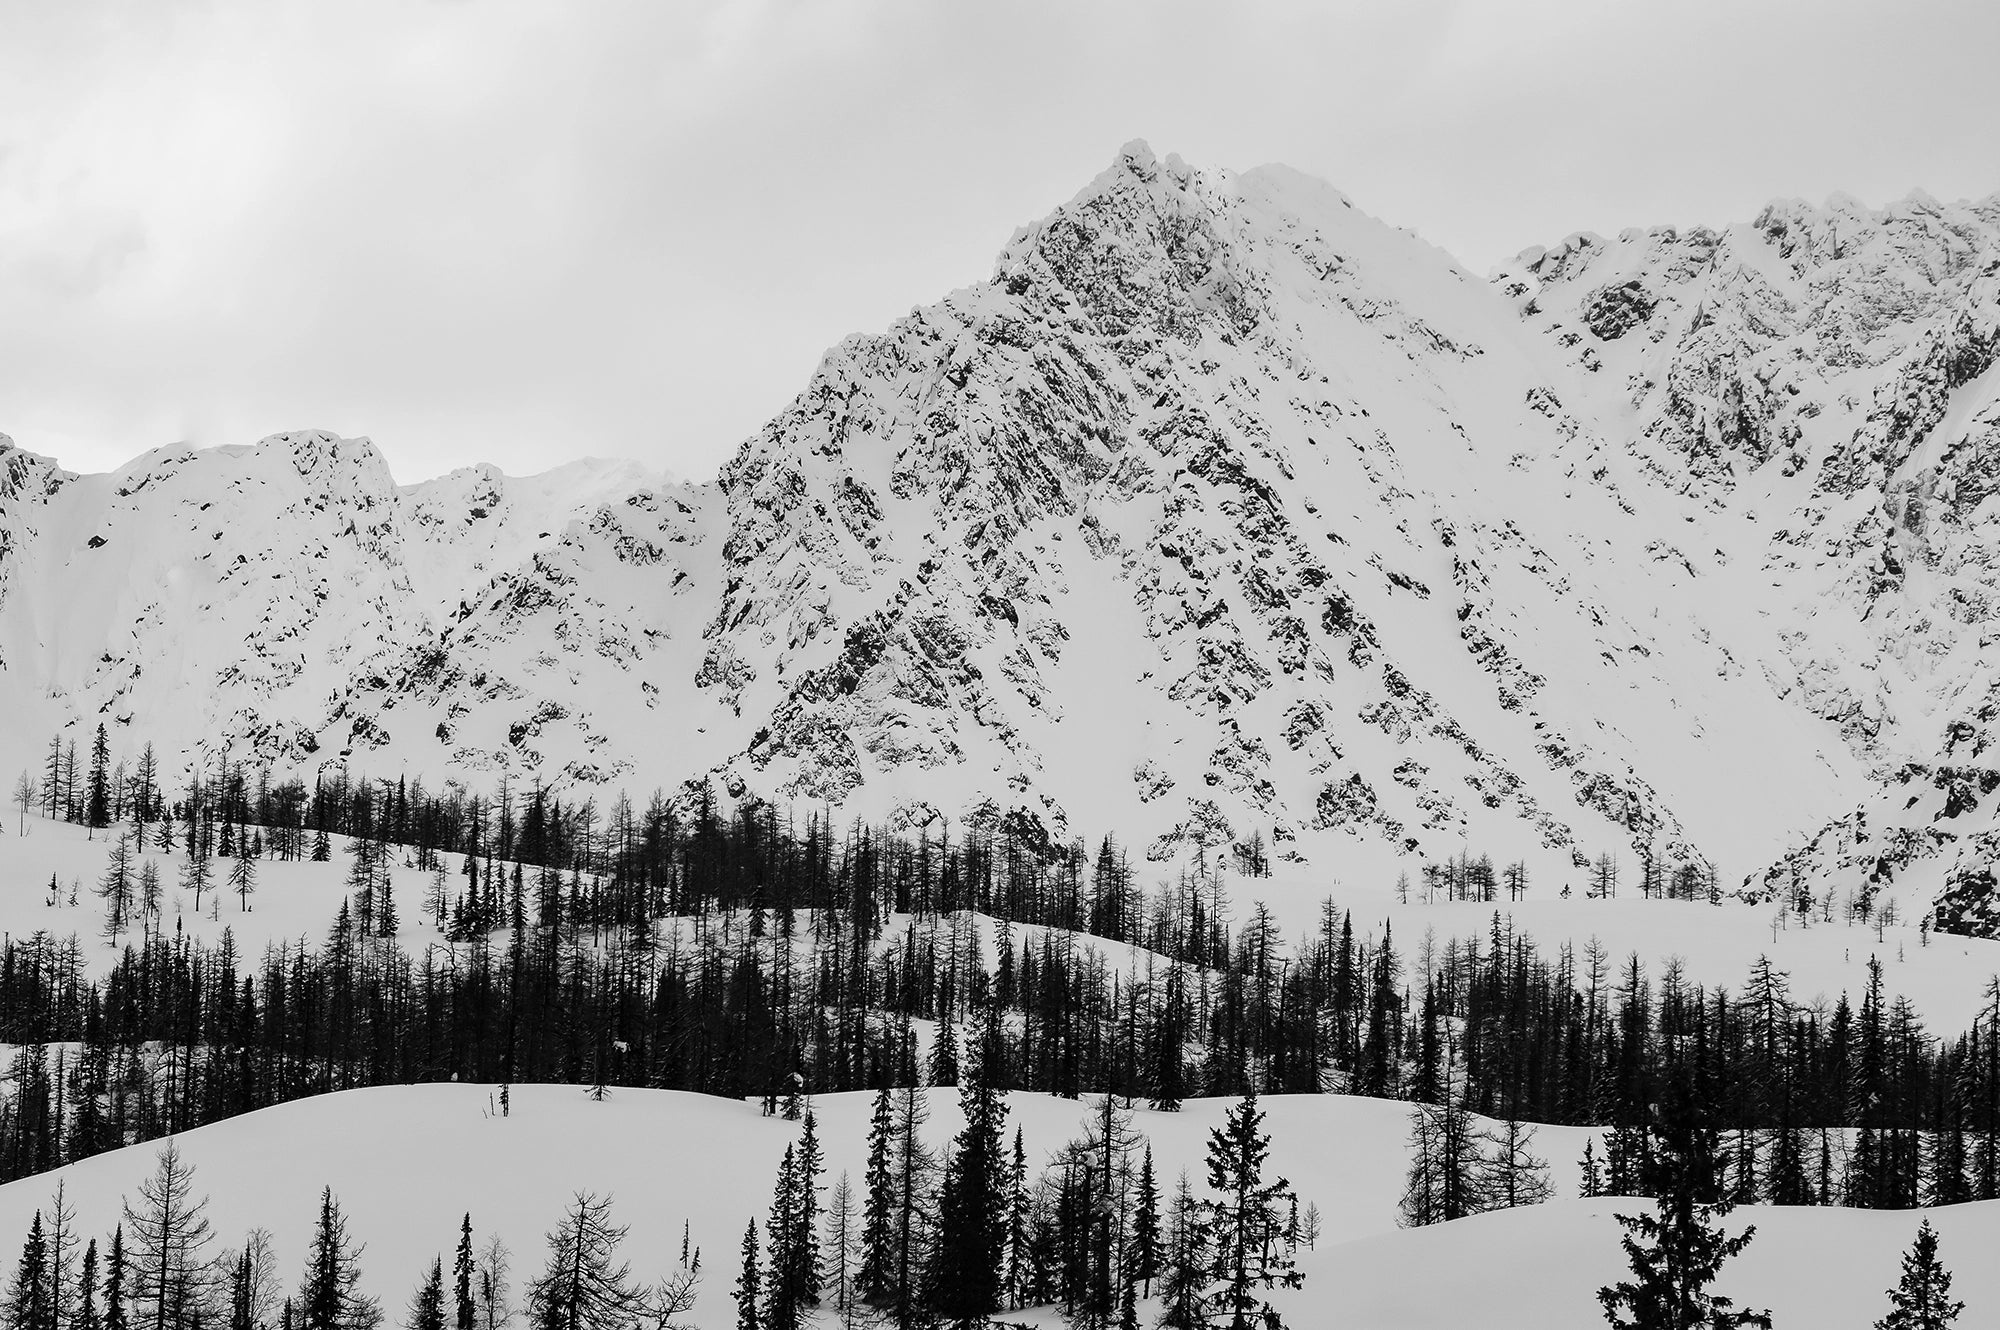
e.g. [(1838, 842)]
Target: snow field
[(407, 1161)]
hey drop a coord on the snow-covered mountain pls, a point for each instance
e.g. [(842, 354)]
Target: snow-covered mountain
[(1222, 514)]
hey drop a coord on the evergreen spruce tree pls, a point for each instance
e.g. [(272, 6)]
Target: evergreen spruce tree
[(99, 802), (1241, 1216), (1169, 1043), (747, 1294), (1922, 1299), (114, 1282), (1020, 1206), (427, 1303), (466, 1313), (1593, 1178), (30, 1305), (1143, 1264), (781, 1307), (967, 1265), (329, 1296), (1676, 1249), (86, 1317), (802, 1265)]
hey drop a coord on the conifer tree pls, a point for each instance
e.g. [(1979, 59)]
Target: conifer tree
[(114, 1282), (1515, 1174), (879, 1205), (98, 803), (149, 890), (329, 1296), (168, 1263), (427, 1303), (29, 1304), (781, 1307), (240, 1317), (1169, 1043), (1143, 1264), (115, 887), (843, 1247), (584, 1286), (747, 1283), (1448, 1173), (466, 1312), (86, 1317), (1922, 1298), (63, 1242), (968, 1263), (243, 880), (1676, 1249), (1188, 1258), (1020, 1203), (802, 1267), (25, 791), (1241, 1216)]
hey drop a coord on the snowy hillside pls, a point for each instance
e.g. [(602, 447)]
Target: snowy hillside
[(406, 1163), (1222, 515)]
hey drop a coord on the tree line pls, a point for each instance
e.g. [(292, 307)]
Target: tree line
[(726, 952)]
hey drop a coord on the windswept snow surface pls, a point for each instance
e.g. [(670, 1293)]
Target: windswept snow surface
[(406, 1162)]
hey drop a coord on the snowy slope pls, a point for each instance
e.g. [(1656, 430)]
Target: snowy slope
[(1222, 512), (406, 1162), (1819, 385)]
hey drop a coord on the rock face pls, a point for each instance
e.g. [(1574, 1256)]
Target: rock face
[(1222, 517), (1821, 382)]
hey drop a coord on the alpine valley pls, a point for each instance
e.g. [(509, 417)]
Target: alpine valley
[(1221, 516)]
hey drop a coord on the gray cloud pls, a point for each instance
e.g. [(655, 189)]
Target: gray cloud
[(523, 233)]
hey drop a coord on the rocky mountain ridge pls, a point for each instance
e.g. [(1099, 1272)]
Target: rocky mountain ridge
[(1222, 517)]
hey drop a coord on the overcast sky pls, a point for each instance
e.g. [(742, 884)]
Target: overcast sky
[(528, 233)]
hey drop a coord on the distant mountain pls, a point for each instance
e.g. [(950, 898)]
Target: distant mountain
[(1223, 517)]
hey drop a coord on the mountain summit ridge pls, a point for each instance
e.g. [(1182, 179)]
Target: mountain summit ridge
[(1221, 516)]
